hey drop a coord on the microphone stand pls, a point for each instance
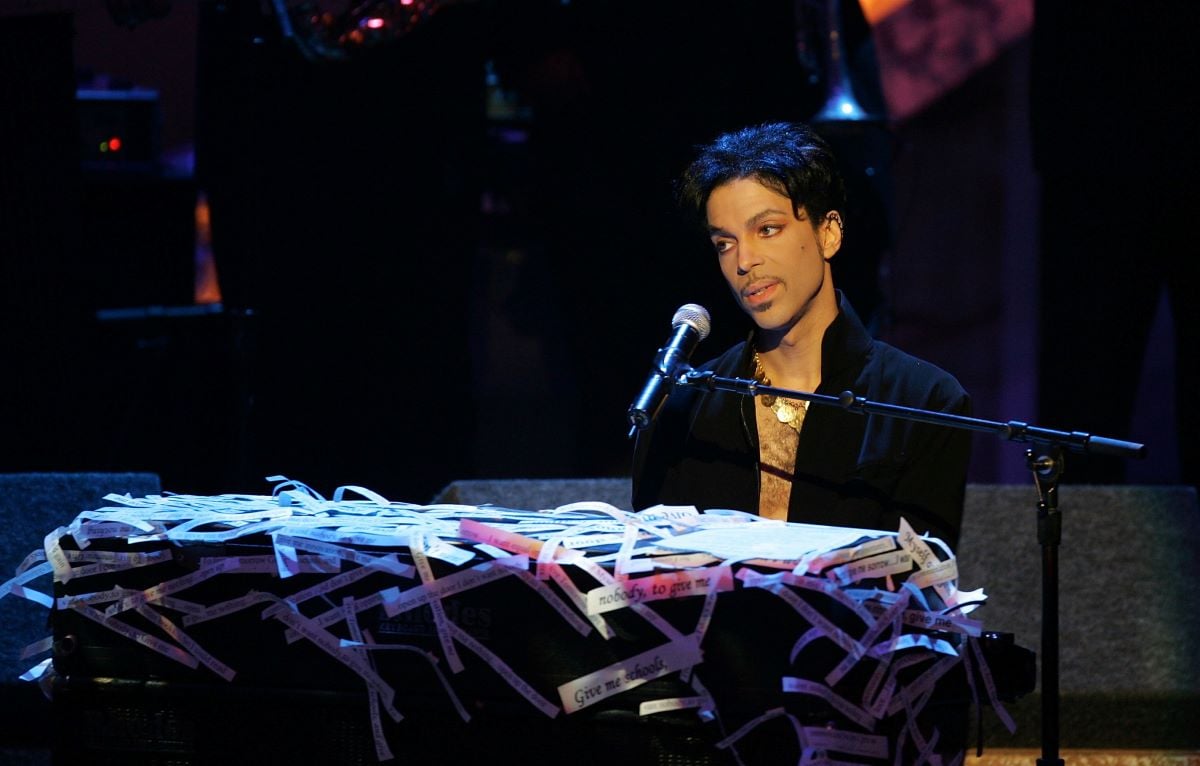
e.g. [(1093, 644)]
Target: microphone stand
[(1045, 460)]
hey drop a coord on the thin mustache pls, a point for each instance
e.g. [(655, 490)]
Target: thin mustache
[(761, 279)]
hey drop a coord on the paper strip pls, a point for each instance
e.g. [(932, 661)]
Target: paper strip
[(440, 621), (702, 623), (591, 541), (896, 562), (98, 597), (545, 557), (684, 516), (37, 647), (197, 651), (628, 541), (815, 563), (986, 674), (16, 585), (939, 574), (175, 585), (324, 587), (750, 726), (572, 592), (574, 620), (328, 643), (874, 630), (914, 640), (145, 639), (509, 541), (628, 674), (942, 622), (658, 587), (223, 608), (922, 683), (38, 670), (508, 674), (815, 618), (651, 707), (601, 575), (388, 562), (383, 751), (54, 554), (457, 582), (855, 743), (844, 706)]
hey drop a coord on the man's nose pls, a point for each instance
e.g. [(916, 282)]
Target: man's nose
[(747, 257)]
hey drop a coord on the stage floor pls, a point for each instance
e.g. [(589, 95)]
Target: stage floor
[(1081, 757)]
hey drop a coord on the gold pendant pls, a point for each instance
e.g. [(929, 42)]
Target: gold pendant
[(789, 413)]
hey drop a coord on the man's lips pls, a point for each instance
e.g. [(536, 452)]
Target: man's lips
[(760, 292)]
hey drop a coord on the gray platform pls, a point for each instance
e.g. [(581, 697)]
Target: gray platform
[(31, 505)]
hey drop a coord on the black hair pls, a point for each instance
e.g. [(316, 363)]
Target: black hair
[(788, 157)]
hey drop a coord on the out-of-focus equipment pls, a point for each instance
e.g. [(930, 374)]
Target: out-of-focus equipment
[(335, 30), (841, 104)]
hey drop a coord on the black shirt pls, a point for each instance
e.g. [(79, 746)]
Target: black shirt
[(852, 470)]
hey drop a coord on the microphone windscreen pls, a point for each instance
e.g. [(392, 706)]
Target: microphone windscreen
[(694, 315)]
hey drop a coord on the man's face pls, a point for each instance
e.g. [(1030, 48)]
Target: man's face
[(775, 261)]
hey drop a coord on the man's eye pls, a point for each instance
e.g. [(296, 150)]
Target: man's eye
[(722, 245), (769, 230)]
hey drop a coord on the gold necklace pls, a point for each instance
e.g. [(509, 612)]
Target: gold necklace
[(790, 412)]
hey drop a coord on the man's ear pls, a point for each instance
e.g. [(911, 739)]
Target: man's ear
[(831, 234)]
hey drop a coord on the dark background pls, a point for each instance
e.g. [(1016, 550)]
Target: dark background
[(428, 276)]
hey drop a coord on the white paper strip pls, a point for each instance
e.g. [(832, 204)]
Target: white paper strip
[(855, 743), (673, 703), (188, 643), (38, 647), (460, 581), (54, 554), (383, 751), (628, 674), (38, 670), (16, 585), (844, 706), (658, 587), (140, 636), (896, 562), (508, 674), (440, 621), (985, 673)]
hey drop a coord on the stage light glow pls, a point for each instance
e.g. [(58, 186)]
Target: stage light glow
[(337, 29), (877, 10), (114, 144)]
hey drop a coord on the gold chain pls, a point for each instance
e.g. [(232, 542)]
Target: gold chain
[(787, 411)]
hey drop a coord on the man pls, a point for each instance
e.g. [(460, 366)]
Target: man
[(770, 197)]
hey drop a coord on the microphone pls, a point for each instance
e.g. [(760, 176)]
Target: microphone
[(690, 325)]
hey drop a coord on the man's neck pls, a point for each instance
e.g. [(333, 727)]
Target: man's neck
[(793, 359)]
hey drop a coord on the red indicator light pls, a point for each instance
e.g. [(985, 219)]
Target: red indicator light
[(114, 144)]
